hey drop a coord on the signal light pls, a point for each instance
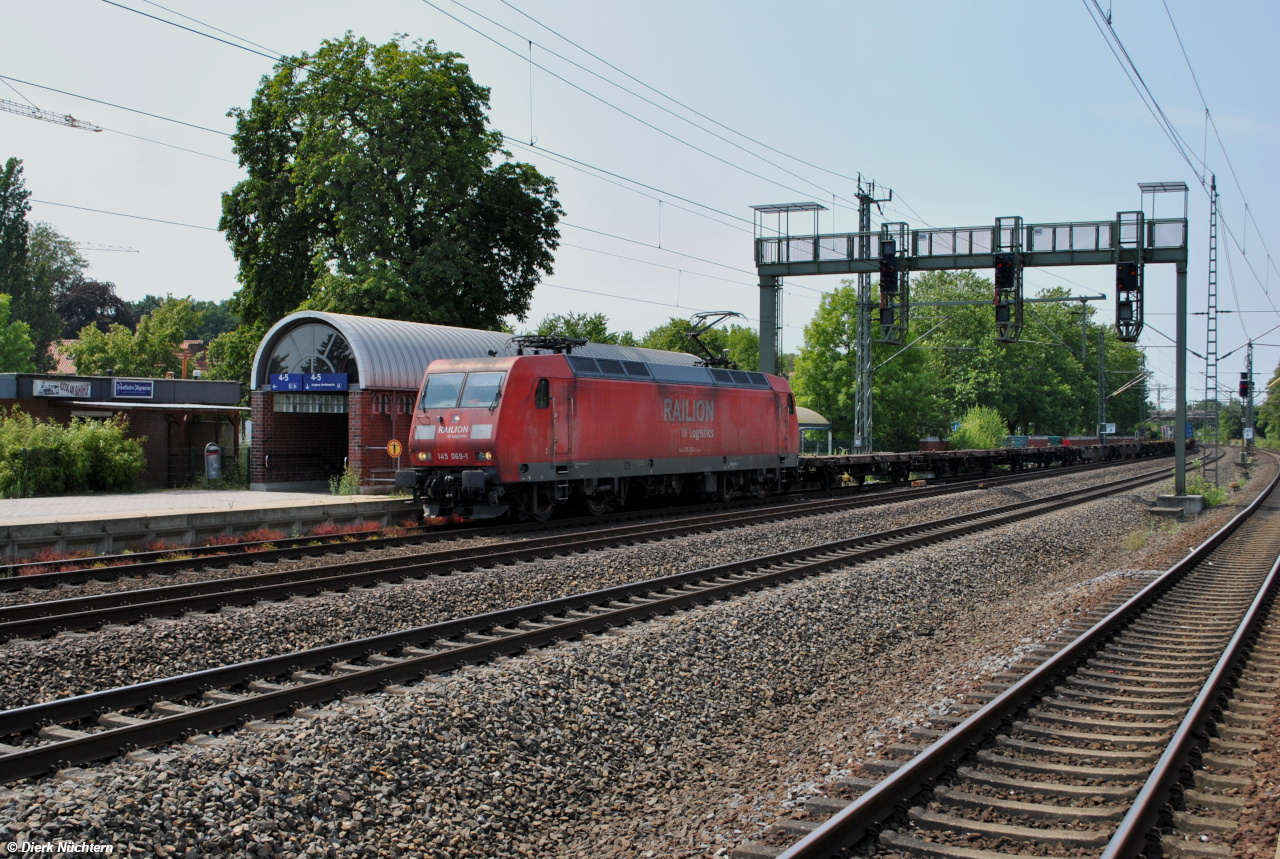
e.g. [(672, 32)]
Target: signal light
[(888, 266), (1004, 272), (1127, 276), (1245, 386)]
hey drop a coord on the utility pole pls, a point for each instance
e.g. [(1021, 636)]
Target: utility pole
[(1102, 383), (862, 429), (1210, 464), (1248, 403)]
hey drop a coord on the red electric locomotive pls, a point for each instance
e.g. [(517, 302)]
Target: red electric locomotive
[(526, 433)]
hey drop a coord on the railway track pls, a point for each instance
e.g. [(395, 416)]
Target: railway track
[(46, 736), (41, 619), (1081, 754), (19, 576)]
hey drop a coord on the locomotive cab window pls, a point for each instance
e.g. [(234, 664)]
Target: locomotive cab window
[(441, 391), (542, 394), (482, 390), (791, 404)]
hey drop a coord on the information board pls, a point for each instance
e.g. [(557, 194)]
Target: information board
[(133, 389)]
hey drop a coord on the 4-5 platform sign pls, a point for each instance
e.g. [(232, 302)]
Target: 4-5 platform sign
[(308, 381)]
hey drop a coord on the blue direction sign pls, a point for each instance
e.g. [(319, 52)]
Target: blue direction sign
[(1190, 430), (286, 381), (324, 382)]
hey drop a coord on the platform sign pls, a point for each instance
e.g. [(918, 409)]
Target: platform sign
[(324, 381), (1106, 429), (133, 389), (286, 381), (393, 448), (1191, 431)]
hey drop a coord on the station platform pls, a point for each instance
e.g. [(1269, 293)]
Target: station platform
[(106, 524)]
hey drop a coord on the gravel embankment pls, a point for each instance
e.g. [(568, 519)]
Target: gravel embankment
[(57, 667), (681, 736)]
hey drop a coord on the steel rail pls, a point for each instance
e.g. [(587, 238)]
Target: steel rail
[(866, 813), (1133, 835), (655, 597), (42, 619), (163, 562)]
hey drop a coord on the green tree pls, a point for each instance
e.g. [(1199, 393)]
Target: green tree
[(1266, 415), (230, 355), (150, 350), (375, 187), (15, 344), (981, 428), (53, 267), (592, 326), (14, 229), (905, 386), (740, 343)]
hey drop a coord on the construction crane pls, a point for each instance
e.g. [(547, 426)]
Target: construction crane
[(45, 115)]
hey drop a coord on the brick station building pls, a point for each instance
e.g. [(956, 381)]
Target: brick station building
[(330, 391)]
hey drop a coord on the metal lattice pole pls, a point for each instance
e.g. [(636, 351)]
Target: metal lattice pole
[(862, 382), (1211, 340)]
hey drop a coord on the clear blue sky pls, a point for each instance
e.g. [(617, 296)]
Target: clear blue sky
[(967, 110)]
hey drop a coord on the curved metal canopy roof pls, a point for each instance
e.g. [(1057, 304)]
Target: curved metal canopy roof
[(809, 419), (391, 354)]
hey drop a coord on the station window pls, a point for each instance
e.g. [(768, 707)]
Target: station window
[(404, 404), (381, 404), (542, 394)]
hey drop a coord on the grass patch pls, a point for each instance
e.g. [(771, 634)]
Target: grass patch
[(1136, 540)]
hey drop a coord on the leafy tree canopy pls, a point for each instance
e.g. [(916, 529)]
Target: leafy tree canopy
[(150, 350), (53, 267), (1038, 385), (216, 317), (375, 187), (14, 229), (92, 302), (593, 327), (15, 344), (741, 344), (1267, 415)]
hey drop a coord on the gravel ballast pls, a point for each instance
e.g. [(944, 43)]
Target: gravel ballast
[(47, 669), (682, 736)]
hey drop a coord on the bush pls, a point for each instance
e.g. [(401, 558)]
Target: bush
[(1213, 495), (42, 457), (981, 428), (347, 483)]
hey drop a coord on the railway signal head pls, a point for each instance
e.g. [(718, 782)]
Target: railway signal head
[(1004, 272), (1245, 386), (888, 266), (1127, 276)]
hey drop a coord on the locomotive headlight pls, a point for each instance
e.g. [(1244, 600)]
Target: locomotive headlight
[(423, 456), (485, 455)]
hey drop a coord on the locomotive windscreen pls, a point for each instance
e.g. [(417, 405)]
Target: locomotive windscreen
[(441, 391), (482, 390)]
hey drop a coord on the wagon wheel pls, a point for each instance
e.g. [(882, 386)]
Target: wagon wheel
[(597, 504), (724, 489), (542, 503)]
